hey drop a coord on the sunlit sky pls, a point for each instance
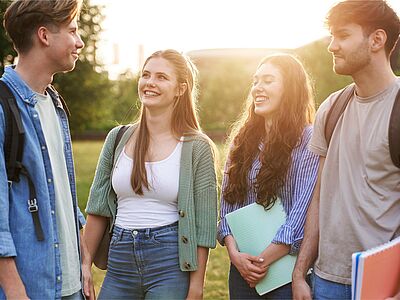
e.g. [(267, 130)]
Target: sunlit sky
[(187, 25)]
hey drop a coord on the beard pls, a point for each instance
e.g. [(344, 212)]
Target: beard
[(354, 61)]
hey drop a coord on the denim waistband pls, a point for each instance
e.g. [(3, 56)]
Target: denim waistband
[(146, 231)]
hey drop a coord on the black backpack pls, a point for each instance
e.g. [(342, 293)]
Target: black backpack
[(339, 107), (14, 140)]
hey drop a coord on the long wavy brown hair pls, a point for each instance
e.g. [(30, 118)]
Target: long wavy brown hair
[(184, 121), (295, 112)]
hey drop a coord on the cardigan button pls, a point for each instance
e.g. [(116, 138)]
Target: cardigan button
[(184, 239), (181, 213), (186, 265)]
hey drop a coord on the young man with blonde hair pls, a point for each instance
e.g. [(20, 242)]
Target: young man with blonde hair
[(40, 249), (356, 201)]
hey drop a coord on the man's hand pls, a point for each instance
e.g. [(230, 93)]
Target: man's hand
[(88, 287), (17, 295), (10, 281), (301, 290)]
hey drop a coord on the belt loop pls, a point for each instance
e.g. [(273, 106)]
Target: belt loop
[(147, 233)]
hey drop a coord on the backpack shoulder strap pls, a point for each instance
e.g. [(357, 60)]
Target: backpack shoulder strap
[(337, 109), (13, 149), (14, 133), (120, 133), (394, 132)]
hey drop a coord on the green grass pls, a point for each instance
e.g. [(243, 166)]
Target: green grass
[(86, 154)]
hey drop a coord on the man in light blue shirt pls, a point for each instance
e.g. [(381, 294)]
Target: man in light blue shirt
[(43, 264)]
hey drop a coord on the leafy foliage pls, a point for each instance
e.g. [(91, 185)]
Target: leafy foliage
[(97, 103), (126, 100), (7, 52), (88, 90), (318, 62)]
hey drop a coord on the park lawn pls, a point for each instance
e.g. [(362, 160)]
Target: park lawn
[(86, 154)]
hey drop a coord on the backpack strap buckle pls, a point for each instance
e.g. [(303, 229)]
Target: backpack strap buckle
[(32, 205)]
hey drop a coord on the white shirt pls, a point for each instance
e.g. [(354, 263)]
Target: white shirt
[(68, 243), (159, 205)]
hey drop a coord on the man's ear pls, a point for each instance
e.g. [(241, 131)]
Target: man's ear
[(181, 89), (43, 35), (378, 40)]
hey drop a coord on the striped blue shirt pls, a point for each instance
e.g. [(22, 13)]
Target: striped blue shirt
[(295, 195)]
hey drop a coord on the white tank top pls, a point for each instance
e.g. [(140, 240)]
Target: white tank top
[(159, 205)]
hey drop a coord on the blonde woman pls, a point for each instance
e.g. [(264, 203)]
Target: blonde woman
[(163, 183)]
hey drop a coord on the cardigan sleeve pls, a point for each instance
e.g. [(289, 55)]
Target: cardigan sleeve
[(99, 191), (205, 194)]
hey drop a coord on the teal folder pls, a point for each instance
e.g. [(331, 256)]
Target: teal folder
[(253, 229)]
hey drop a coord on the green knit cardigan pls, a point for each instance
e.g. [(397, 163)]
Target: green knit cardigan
[(197, 194)]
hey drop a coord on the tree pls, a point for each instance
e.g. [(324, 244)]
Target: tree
[(318, 62), (7, 52), (126, 102), (88, 90)]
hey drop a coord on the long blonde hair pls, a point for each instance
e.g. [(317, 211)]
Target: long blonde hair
[(184, 115)]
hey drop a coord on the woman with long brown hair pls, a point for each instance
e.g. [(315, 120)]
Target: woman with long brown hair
[(269, 161), (162, 180)]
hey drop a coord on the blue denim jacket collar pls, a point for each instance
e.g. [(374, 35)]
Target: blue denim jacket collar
[(24, 91), (19, 86)]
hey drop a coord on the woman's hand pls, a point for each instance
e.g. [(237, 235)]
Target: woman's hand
[(196, 283), (195, 292), (245, 263), (249, 267)]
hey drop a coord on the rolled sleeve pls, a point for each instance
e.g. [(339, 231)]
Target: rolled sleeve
[(223, 231), (305, 164), (286, 235), (7, 247)]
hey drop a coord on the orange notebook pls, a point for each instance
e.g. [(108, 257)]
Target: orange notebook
[(376, 272)]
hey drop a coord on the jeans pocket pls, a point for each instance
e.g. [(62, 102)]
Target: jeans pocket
[(116, 236), (166, 237)]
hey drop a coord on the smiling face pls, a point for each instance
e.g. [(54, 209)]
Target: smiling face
[(65, 44), (350, 49), (158, 85), (267, 90)]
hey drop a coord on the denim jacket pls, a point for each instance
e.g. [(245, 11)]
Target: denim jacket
[(38, 262)]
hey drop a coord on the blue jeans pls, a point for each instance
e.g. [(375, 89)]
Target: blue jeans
[(144, 264), (239, 288), (325, 289)]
